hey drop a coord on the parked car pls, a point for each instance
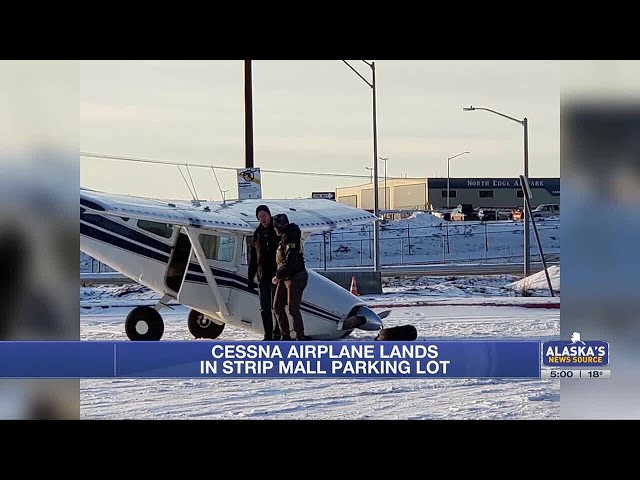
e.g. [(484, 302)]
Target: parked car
[(504, 214), (463, 213), (546, 210), (485, 214)]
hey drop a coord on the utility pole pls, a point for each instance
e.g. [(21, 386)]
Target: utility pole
[(384, 159), (248, 115)]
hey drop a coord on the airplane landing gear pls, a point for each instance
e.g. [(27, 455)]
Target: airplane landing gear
[(202, 326), (144, 323)]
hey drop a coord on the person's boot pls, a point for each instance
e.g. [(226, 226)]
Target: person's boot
[(276, 334), (267, 323)]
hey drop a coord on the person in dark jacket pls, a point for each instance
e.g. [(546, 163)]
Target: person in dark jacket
[(291, 277), (262, 262)]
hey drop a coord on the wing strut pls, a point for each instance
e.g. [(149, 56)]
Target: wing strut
[(202, 260)]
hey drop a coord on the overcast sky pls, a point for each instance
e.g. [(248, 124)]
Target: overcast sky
[(313, 116)]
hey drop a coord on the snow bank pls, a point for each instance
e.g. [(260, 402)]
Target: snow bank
[(419, 219), (538, 281)]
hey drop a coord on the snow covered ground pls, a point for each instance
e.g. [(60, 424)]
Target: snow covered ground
[(440, 308)]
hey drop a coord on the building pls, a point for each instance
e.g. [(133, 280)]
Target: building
[(399, 194), (431, 193), (491, 192)]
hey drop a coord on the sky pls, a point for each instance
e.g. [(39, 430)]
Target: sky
[(312, 116)]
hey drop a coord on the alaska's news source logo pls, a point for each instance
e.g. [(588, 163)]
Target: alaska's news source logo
[(575, 353)]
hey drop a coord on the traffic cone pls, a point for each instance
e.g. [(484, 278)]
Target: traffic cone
[(354, 287)]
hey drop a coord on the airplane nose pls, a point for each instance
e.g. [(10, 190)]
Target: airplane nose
[(361, 317)]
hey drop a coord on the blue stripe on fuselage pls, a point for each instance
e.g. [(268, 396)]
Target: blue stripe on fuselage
[(124, 231), (223, 277)]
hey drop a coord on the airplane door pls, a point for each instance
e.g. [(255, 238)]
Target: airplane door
[(190, 284), (178, 263)]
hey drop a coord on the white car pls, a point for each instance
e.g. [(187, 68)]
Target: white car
[(546, 210)]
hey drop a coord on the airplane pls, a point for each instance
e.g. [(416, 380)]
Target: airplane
[(194, 253)]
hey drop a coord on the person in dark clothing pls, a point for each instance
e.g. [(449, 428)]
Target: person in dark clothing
[(262, 262), (291, 277)]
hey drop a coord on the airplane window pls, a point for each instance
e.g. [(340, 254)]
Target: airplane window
[(162, 229), (217, 247)]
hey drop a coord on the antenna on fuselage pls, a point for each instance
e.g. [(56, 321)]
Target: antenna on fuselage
[(195, 200), (193, 184), (218, 182)]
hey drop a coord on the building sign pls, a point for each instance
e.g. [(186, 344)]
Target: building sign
[(551, 185), (325, 195), (508, 183), (249, 185)]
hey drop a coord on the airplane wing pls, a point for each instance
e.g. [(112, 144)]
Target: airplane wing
[(311, 215), (174, 212)]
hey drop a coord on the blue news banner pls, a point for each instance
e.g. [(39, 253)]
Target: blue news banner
[(312, 359)]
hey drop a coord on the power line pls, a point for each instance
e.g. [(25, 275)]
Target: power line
[(284, 172)]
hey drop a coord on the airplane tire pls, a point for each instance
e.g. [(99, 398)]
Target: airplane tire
[(144, 323), (202, 327)]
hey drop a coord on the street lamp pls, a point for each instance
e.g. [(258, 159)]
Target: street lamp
[(371, 174), (448, 160), (385, 181), (376, 229), (525, 216)]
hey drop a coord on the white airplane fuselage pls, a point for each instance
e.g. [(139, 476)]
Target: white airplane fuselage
[(164, 261)]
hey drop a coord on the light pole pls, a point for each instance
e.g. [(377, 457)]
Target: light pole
[(525, 215), (448, 160), (376, 229), (385, 181), (371, 174)]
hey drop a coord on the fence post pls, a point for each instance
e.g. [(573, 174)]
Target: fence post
[(486, 241), (330, 247), (444, 255), (324, 249), (447, 225), (361, 253), (408, 240), (401, 250)]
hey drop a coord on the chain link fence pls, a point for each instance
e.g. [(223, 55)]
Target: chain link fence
[(430, 244)]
